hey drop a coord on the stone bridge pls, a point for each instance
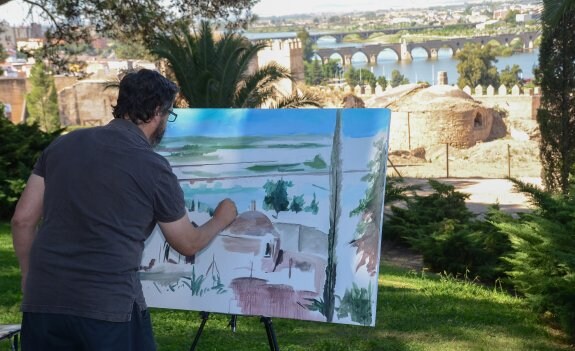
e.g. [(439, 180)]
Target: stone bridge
[(339, 36), (403, 50)]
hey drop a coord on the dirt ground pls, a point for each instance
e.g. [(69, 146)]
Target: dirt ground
[(479, 171)]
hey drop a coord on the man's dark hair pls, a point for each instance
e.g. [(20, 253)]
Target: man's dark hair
[(142, 94)]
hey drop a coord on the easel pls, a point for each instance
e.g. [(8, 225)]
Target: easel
[(267, 321)]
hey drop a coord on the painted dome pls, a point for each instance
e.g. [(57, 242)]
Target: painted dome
[(252, 223)]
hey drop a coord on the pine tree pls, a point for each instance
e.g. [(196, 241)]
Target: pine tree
[(543, 260), (42, 101)]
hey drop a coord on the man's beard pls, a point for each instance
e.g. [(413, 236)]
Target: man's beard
[(158, 134)]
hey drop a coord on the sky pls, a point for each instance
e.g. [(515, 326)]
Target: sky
[(229, 123), (14, 11), (279, 7)]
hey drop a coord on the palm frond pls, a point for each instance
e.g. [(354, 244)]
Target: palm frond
[(216, 72), (298, 100), (554, 11)]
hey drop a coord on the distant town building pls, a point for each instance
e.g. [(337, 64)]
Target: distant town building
[(524, 17), (486, 24), (29, 44), (500, 14)]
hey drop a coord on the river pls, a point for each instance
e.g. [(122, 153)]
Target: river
[(421, 68)]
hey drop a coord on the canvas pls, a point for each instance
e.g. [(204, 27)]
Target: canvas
[(309, 188)]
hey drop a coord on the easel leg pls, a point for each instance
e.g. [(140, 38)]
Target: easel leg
[(271, 334), (204, 316)]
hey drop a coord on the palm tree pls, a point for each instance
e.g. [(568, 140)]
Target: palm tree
[(215, 73), (555, 10)]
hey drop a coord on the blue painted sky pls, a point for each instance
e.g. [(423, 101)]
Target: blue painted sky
[(356, 123)]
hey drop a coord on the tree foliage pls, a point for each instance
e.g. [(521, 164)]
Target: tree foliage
[(136, 20), (74, 21), (335, 184), (3, 56), (360, 76), (511, 76), (317, 73), (397, 79), (370, 210), (442, 228), (382, 81), (556, 74), (276, 196), (476, 66), (297, 203), (307, 45), (20, 147), (313, 207), (216, 72), (42, 100), (543, 259)]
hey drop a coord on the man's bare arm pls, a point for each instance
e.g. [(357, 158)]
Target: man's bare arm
[(187, 239), (25, 220)]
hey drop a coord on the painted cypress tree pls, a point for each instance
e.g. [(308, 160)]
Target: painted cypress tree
[(556, 116), (371, 210), (335, 180), (42, 100)]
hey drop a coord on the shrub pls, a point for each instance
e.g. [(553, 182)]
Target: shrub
[(448, 236), (422, 214), (543, 262), (20, 147)]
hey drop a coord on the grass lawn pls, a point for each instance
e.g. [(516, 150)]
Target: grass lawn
[(414, 312)]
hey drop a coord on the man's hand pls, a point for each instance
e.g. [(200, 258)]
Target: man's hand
[(185, 238)]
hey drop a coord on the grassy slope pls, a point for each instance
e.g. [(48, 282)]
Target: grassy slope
[(414, 312)]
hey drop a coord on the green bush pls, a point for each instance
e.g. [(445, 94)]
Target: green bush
[(20, 147), (422, 215), (473, 248), (448, 236), (543, 263)]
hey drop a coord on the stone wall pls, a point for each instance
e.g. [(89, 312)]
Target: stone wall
[(410, 130), (520, 104), (13, 92), (86, 103), (286, 53)]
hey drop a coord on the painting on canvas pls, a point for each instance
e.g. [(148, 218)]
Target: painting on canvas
[(309, 187)]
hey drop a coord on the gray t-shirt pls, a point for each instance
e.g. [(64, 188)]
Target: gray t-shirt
[(105, 189)]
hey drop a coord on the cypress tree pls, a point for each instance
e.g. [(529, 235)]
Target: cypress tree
[(556, 116), (42, 101)]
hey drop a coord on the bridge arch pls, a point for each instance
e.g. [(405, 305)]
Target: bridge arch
[(386, 54), (334, 56), (447, 50), (358, 54), (416, 47), (403, 51), (326, 38), (529, 39)]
